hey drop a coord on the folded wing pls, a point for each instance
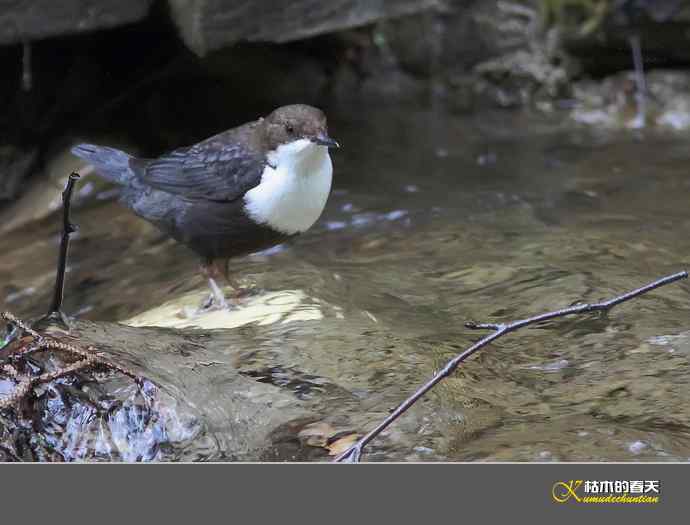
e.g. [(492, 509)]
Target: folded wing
[(211, 170)]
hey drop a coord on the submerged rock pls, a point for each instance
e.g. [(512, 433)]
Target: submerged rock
[(189, 401), (284, 307)]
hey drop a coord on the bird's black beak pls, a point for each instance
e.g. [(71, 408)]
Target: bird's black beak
[(324, 140)]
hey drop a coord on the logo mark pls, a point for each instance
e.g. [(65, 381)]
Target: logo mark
[(607, 491), (562, 491)]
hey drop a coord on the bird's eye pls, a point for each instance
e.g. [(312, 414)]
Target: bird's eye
[(289, 128)]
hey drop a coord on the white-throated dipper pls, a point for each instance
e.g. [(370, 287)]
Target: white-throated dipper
[(235, 193)]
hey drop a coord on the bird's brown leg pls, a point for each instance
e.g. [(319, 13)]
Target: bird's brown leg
[(212, 272), (237, 290)]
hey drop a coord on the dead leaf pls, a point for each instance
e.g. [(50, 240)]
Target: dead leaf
[(341, 444)]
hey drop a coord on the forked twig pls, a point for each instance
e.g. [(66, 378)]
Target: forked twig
[(354, 453)]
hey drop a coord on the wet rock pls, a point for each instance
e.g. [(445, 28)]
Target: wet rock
[(209, 25), (285, 306), (415, 41), (498, 52), (459, 35), (521, 77), (30, 19), (527, 52), (527, 62), (612, 104), (185, 403)]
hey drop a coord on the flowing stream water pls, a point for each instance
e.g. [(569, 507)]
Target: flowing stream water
[(434, 220)]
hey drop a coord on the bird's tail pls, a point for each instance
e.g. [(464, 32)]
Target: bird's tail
[(110, 163)]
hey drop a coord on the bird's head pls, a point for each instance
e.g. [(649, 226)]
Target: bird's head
[(299, 124)]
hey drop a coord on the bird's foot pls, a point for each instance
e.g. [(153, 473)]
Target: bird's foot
[(218, 299), (214, 302), (209, 304)]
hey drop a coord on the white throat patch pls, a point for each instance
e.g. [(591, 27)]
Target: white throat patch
[(291, 196)]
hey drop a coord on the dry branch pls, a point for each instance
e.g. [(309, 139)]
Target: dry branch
[(67, 229)]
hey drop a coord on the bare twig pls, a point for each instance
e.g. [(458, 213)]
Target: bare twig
[(55, 313), (86, 357), (67, 229), (354, 453)]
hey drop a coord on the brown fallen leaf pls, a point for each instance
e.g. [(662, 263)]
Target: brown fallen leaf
[(341, 444)]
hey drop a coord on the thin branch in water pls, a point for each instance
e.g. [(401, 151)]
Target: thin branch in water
[(354, 453)]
